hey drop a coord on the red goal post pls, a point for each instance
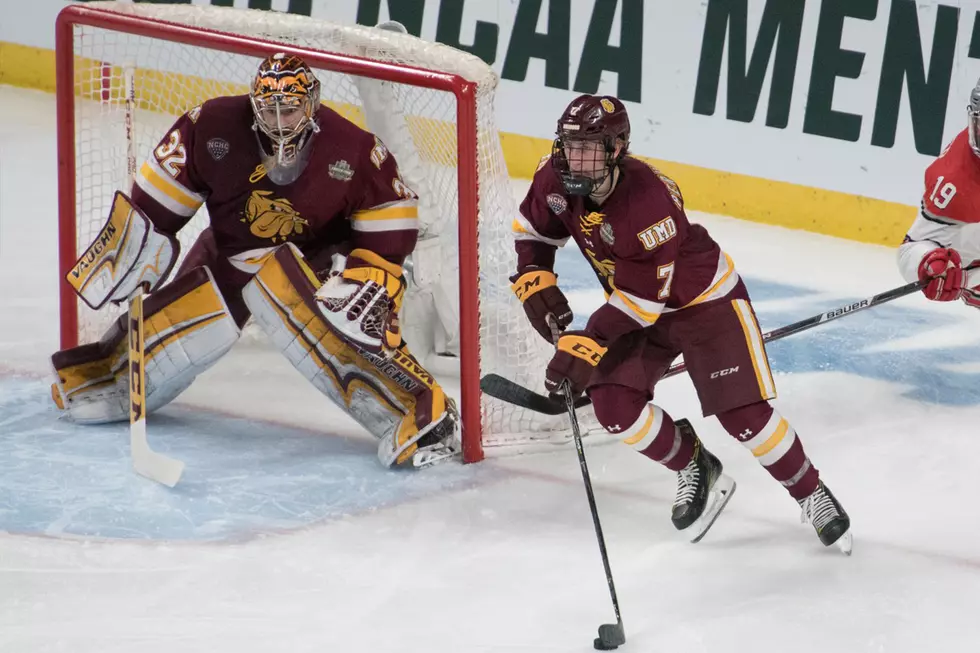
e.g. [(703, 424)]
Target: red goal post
[(95, 41)]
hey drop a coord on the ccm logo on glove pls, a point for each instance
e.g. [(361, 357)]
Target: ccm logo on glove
[(582, 347)]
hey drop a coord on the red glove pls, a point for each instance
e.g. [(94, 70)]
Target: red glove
[(947, 262), (577, 356), (538, 291)]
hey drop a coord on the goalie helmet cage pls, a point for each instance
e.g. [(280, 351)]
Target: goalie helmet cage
[(438, 100)]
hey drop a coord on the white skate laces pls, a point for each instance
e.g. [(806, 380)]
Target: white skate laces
[(818, 509), (687, 483)]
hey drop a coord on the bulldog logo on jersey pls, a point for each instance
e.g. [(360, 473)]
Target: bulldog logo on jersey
[(273, 218), (218, 148), (590, 221), (556, 203), (606, 267)]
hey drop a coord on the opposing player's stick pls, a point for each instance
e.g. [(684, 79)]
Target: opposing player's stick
[(611, 636), (146, 462), (516, 394)]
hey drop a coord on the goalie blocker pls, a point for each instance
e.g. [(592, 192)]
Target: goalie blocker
[(127, 253)]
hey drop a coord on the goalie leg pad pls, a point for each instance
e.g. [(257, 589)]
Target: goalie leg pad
[(394, 397), (127, 253), (187, 328)]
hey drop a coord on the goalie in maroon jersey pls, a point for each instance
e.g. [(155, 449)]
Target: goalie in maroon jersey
[(310, 223), (671, 290)]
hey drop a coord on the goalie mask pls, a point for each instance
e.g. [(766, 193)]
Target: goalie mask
[(584, 152), (285, 96), (973, 119)]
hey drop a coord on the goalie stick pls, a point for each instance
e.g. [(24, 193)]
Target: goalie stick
[(513, 393), (146, 462)]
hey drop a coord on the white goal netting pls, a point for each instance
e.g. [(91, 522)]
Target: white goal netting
[(417, 124)]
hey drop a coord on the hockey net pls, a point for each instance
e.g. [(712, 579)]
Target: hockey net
[(431, 104)]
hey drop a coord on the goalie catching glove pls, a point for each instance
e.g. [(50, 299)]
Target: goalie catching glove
[(363, 302), (577, 357), (128, 252), (538, 291)]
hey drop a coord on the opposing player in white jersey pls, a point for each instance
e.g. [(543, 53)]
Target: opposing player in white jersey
[(945, 237)]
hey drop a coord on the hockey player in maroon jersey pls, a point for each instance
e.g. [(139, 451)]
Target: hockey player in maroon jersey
[(310, 223), (945, 237), (671, 290)]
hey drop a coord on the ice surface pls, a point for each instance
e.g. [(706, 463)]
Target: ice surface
[(285, 535)]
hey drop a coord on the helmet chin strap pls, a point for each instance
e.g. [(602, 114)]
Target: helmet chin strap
[(598, 195)]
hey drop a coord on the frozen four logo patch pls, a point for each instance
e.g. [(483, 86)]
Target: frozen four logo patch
[(218, 148), (556, 203), (606, 233), (340, 170)]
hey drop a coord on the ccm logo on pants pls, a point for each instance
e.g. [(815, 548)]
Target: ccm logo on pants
[(720, 373)]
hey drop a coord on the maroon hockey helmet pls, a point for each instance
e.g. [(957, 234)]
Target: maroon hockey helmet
[(584, 152)]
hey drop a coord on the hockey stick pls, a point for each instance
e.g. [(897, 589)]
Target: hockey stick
[(514, 393), (611, 636), (146, 462)]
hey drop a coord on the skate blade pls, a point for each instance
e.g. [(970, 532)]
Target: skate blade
[(845, 543), (720, 494), (434, 455)]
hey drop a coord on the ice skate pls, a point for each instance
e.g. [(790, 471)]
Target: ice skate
[(703, 490), (442, 443), (822, 510)]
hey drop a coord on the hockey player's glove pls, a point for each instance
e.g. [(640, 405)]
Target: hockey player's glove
[(577, 356), (944, 288), (538, 291)]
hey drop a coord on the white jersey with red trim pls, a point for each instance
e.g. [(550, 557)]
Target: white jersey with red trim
[(949, 215)]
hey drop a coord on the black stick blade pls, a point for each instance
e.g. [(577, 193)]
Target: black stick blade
[(516, 394), (611, 637)]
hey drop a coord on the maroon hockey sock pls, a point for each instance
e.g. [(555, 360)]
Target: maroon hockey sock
[(648, 429), (774, 444)]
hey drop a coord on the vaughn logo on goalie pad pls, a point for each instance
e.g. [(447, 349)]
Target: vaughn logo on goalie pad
[(218, 148)]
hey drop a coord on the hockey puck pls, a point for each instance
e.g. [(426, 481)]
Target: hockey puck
[(600, 645)]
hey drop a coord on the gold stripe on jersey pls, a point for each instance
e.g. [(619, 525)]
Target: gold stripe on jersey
[(166, 190), (753, 340), (524, 230), (400, 216), (643, 311), (724, 282)]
